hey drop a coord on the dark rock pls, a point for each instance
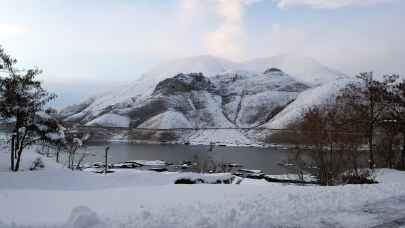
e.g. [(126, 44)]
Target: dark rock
[(287, 181), (201, 181), (158, 169), (182, 83), (272, 70), (184, 181), (150, 108)]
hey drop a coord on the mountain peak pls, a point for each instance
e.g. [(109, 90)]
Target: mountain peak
[(304, 69), (206, 64)]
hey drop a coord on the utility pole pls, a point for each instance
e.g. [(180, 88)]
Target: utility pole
[(58, 149), (211, 147), (106, 160)]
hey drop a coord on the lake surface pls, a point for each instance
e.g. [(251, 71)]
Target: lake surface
[(265, 159)]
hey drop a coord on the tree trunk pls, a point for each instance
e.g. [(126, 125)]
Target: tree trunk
[(80, 161), (371, 151), (17, 143), (403, 152), (355, 167), (12, 152), (323, 177), (17, 166), (57, 154), (371, 122), (70, 159), (390, 154), (73, 161), (20, 150)]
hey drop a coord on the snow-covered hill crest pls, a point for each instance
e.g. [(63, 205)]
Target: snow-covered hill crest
[(303, 69)]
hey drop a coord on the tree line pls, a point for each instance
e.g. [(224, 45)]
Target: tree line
[(362, 127)]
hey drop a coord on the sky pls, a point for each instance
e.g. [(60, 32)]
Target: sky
[(85, 46)]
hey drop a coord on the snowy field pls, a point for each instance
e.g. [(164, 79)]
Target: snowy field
[(57, 197)]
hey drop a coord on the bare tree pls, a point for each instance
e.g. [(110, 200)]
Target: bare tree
[(329, 140), (318, 133), (74, 141), (367, 101), (397, 114), (387, 141)]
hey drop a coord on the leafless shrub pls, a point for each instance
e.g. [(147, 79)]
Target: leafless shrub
[(37, 163), (363, 176), (206, 164), (324, 139)]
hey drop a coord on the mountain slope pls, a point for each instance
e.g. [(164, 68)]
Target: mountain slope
[(315, 96), (222, 94), (139, 90)]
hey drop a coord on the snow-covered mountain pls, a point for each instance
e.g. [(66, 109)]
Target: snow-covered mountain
[(210, 92), (303, 69)]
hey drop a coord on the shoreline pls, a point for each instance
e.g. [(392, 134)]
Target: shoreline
[(149, 142)]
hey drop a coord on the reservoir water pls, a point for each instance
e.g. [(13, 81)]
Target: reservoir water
[(265, 159)]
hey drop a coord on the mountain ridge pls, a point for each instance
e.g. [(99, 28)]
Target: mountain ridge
[(204, 92)]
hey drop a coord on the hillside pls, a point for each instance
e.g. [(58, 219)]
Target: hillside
[(209, 92)]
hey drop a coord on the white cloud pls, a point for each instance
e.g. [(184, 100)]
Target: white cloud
[(189, 9), (282, 40), (327, 4), (12, 30), (227, 40), (348, 51), (228, 37)]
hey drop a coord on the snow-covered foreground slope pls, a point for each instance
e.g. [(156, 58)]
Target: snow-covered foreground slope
[(57, 197), (219, 94)]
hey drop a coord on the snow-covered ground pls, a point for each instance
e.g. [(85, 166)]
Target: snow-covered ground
[(58, 197)]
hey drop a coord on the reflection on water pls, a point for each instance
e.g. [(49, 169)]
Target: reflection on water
[(265, 159)]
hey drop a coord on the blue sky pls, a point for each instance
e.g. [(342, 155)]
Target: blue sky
[(100, 43)]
